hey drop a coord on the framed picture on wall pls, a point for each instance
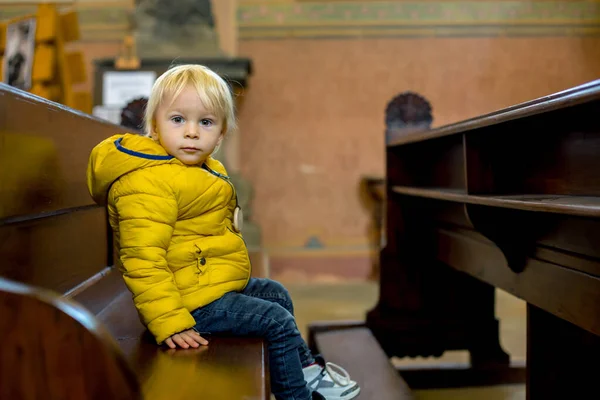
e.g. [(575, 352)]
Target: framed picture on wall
[(121, 87), (18, 58)]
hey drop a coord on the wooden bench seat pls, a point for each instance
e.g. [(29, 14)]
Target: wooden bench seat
[(62, 306), (356, 349), (210, 370), (43, 333)]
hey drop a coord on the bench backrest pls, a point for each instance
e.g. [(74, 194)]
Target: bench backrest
[(54, 245), (52, 235)]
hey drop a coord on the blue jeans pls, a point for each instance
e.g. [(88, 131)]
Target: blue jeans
[(263, 309)]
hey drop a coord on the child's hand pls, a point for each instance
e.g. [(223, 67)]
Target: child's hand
[(186, 339)]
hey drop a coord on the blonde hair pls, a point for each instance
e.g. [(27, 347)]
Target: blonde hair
[(214, 92)]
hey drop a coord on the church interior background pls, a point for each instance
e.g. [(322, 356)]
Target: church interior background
[(318, 84)]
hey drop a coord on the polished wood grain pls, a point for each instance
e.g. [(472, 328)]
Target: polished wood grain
[(52, 235), (439, 163), (582, 94), (227, 368), (543, 154), (102, 293), (56, 253), (207, 372), (470, 253), (532, 212), (569, 205), (56, 141), (55, 349), (359, 353), (507, 200)]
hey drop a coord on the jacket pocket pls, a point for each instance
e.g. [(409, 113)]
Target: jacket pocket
[(191, 275), (200, 260), (186, 277)]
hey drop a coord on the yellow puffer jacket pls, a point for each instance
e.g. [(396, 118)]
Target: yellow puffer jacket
[(174, 235)]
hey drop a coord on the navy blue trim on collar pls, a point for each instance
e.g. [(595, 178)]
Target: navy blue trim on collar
[(212, 171), (138, 154)]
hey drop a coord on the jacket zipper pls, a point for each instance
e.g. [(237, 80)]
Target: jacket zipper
[(233, 193), (226, 179)]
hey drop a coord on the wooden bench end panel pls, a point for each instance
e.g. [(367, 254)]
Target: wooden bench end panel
[(60, 349)]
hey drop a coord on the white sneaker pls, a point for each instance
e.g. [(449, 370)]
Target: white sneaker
[(332, 385)]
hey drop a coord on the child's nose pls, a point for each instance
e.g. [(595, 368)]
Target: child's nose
[(191, 132)]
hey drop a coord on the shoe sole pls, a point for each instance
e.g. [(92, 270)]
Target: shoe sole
[(349, 396)]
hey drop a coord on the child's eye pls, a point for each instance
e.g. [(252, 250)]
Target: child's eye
[(177, 119), (206, 122)]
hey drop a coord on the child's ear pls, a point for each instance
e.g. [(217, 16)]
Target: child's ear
[(154, 133)]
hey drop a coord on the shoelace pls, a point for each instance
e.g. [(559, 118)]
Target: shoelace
[(342, 380)]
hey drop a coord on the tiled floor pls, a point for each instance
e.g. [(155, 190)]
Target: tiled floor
[(351, 300)]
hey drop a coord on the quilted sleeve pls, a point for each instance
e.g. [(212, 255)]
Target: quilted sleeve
[(147, 211)]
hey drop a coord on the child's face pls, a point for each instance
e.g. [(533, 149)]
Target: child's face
[(186, 129)]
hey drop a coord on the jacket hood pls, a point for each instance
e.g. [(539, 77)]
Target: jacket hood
[(119, 155)]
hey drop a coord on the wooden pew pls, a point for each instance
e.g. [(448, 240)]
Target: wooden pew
[(509, 200), (68, 326)]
